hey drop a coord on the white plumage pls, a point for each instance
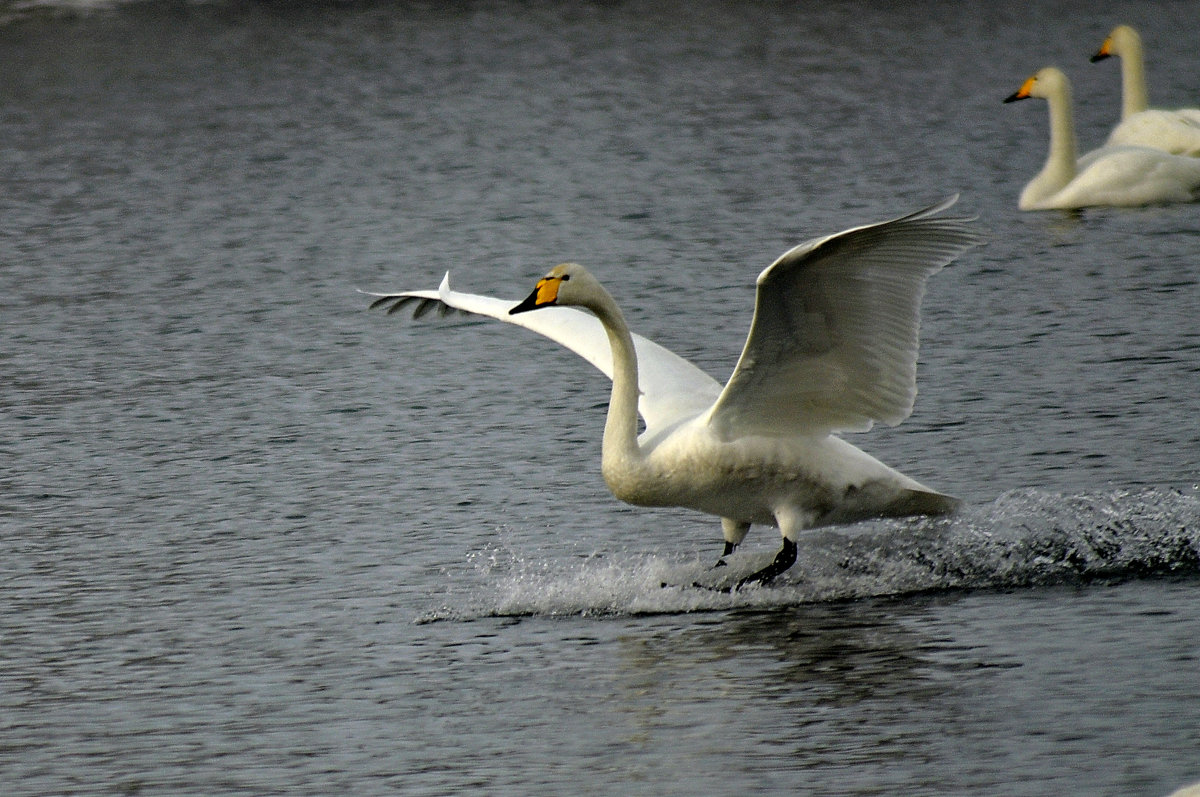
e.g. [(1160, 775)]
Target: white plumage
[(1112, 175), (832, 347), (1177, 132)]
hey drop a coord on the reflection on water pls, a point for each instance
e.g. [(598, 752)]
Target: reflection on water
[(840, 653), (806, 688), (864, 681)]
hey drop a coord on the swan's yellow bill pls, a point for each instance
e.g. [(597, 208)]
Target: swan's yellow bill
[(544, 294), (547, 290), (1026, 89)]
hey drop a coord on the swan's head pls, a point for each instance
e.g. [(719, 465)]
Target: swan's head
[(1045, 83), (1123, 41), (565, 284)]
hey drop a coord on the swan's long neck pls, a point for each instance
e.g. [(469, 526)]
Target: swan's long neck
[(1060, 162), (1134, 96), (620, 453)]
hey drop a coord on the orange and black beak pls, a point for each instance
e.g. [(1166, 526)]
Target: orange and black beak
[(1105, 51), (1022, 93), (544, 295)]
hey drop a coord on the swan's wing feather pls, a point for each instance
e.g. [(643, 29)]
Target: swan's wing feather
[(672, 388), (1128, 175), (1190, 115), (1177, 132), (833, 343)]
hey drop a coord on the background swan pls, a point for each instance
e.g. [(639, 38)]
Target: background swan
[(832, 347), (1111, 175), (1186, 791), (1177, 131)]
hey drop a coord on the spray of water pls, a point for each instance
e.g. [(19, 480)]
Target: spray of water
[(1022, 539)]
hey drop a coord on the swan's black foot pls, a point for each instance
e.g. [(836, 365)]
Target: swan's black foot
[(729, 548), (783, 560)]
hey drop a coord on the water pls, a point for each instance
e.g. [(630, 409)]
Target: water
[(256, 540)]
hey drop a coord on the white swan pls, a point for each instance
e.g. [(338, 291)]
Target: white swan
[(1177, 131), (1186, 791), (1111, 175), (833, 346)]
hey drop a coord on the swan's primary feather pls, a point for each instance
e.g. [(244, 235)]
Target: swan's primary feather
[(833, 343), (672, 388), (832, 347)]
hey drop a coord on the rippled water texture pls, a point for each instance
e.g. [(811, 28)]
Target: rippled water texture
[(255, 539)]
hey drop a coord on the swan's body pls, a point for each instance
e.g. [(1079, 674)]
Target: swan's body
[(1177, 132), (1111, 175), (832, 347)]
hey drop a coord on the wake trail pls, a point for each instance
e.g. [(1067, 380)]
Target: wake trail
[(1024, 538)]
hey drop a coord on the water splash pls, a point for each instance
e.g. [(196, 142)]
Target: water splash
[(1023, 538)]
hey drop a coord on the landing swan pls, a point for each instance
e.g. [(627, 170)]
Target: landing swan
[(832, 347), (1111, 175), (1177, 132)]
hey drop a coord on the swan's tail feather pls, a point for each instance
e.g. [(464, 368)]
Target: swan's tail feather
[(922, 502)]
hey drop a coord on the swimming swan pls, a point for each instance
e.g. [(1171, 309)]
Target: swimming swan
[(832, 347), (1177, 132), (1111, 175)]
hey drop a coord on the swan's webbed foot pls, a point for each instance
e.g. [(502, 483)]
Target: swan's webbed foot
[(729, 548), (783, 560)]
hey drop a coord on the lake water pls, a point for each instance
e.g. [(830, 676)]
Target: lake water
[(257, 540)]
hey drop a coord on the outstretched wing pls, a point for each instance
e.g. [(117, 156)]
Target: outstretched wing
[(672, 388), (833, 343)]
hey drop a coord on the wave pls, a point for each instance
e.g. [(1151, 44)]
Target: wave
[(1024, 538), (16, 10), (76, 6)]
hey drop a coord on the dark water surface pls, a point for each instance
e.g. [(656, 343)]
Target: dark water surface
[(256, 540)]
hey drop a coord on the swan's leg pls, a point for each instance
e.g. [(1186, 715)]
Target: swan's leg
[(790, 524), (783, 560), (734, 532)]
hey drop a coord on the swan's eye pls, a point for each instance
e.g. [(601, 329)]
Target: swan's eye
[(565, 277)]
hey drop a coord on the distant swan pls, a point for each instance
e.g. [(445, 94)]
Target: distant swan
[(832, 347), (1177, 132), (1186, 791), (1116, 175)]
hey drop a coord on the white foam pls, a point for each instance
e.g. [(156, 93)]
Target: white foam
[(1024, 538)]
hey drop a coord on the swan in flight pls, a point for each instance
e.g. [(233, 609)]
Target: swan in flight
[(1177, 131), (1111, 175), (832, 347)]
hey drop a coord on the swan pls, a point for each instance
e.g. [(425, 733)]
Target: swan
[(1186, 791), (832, 347), (1177, 131), (1111, 175)]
